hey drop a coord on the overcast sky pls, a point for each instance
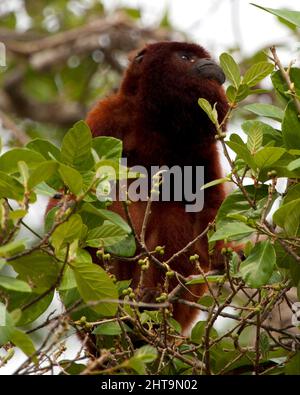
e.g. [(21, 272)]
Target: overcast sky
[(218, 24)]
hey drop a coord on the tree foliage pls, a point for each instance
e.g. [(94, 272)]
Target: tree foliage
[(256, 214)]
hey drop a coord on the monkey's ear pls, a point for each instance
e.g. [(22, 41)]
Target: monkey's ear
[(137, 55)]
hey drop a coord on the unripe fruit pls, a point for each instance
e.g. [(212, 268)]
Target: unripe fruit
[(272, 174), (162, 298), (194, 258), (170, 273), (160, 250)]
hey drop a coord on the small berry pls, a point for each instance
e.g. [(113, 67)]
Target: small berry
[(170, 273), (194, 258)]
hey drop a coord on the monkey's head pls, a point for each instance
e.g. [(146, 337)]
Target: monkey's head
[(170, 77)]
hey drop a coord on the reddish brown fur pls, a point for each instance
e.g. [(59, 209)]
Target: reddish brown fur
[(156, 114)]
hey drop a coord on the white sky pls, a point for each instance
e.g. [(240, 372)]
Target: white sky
[(210, 22)]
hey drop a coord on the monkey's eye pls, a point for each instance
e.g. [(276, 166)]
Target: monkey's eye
[(187, 58), (139, 57)]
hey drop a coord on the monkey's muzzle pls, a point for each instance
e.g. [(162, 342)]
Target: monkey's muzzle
[(207, 68)]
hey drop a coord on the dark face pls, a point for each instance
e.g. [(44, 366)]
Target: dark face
[(174, 66), (166, 79), (203, 68)]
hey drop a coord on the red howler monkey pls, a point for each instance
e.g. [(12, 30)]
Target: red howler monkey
[(156, 115)]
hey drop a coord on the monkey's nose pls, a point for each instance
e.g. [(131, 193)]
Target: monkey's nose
[(207, 68)]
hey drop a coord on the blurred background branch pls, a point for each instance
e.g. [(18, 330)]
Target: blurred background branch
[(53, 77), (63, 55)]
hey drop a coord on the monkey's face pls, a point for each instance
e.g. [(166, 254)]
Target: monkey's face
[(202, 68), (165, 81), (168, 71)]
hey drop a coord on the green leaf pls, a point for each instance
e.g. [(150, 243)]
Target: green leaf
[(110, 329), (281, 86), (107, 147), (67, 232), (231, 92), (45, 148), (68, 280), (14, 284), (255, 139), (198, 332), (24, 173), (267, 156), (234, 264), (107, 215), (146, 353), (136, 364), (109, 169), (236, 95), (16, 315), (17, 214), (242, 92), (288, 217), (264, 344), (39, 269), (12, 248), (6, 322), (209, 110), (9, 160), (10, 187), (71, 367), (268, 133), (286, 209), (257, 72), (235, 203), (293, 365), (291, 127), (125, 247), (295, 164), (206, 301), (142, 356), (209, 279), (42, 172), (243, 152), (94, 284), (76, 147), (71, 178), (17, 299), (72, 296), (266, 110), (292, 194), (123, 284), (258, 267), (105, 235), (45, 190), (230, 68), (288, 15), (23, 341), (231, 231)]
